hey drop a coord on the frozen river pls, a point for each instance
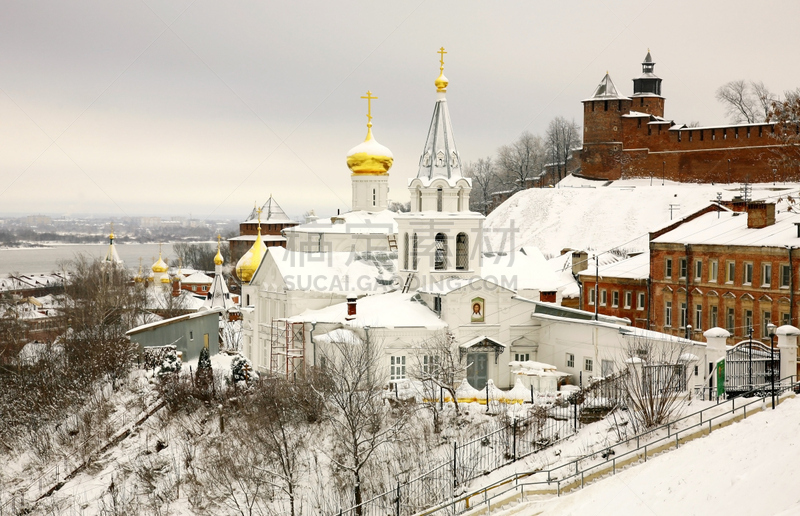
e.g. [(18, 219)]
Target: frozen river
[(47, 259)]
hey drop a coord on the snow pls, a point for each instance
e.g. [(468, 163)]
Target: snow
[(391, 310), (527, 267), (583, 214), (730, 229), (711, 475), (716, 333), (371, 147), (353, 222), (636, 267)]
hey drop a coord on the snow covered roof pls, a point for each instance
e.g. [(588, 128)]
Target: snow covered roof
[(171, 320), (339, 335), (353, 222), (730, 228), (636, 267), (199, 278), (334, 271), (479, 340), (525, 268), (439, 156), (582, 214), (252, 238), (390, 310), (606, 91)]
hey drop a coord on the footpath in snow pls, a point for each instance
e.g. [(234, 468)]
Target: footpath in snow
[(748, 468)]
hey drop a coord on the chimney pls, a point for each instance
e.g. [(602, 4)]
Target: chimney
[(760, 214), (176, 287), (351, 308), (580, 261)]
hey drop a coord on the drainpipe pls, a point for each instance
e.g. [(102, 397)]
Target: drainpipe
[(689, 272), (596, 285), (791, 287), (649, 300), (313, 344)]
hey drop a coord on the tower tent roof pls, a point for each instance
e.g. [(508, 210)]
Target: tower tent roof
[(606, 90), (271, 213)]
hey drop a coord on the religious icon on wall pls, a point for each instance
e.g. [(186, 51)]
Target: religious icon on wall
[(477, 310)]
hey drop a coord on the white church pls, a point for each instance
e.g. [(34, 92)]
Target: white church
[(407, 279)]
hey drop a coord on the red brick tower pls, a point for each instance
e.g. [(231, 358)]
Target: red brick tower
[(602, 131)]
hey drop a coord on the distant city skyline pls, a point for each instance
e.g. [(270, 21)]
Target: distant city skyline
[(195, 107)]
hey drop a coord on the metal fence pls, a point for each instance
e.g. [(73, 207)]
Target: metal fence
[(542, 427)]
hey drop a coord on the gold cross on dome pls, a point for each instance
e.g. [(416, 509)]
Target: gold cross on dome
[(369, 98), (259, 210), (219, 239), (441, 52)]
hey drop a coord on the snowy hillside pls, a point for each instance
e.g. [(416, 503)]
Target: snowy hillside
[(584, 214), (743, 469)]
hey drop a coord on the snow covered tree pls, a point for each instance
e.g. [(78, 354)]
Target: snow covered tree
[(171, 364), (438, 367), (563, 136), (786, 114), (521, 160), (362, 424), (484, 178), (204, 376), (242, 371)]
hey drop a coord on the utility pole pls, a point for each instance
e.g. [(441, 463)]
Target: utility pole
[(719, 203), (596, 285), (673, 207)]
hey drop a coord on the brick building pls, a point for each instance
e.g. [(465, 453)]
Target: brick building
[(729, 269), (628, 137), (273, 221), (620, 289)]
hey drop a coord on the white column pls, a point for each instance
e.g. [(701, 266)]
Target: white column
[(716, 339), (787, 344)]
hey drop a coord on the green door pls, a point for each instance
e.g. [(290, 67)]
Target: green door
[(478, 369)]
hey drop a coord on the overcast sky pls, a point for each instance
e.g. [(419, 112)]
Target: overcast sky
[(202, 107)]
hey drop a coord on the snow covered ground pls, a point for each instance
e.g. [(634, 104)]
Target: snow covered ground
[(584, 214), (744, 469)]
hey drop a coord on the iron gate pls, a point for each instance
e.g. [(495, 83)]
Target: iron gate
[(751, 365)]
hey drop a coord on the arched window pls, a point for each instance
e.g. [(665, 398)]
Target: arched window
[(405, 251), (440, 254), (462, 252), (419, 199), (439, 194), (460, 199), (414, 248), (440, 159)]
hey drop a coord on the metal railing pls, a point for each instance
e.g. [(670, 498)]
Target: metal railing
[(575, 474)]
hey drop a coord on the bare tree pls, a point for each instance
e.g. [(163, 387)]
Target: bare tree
[(362, 424), (483, 175), (746, 102), (439, 368), (562, 137), (786, 115), (521, 160), (654, 378), (199, 255)]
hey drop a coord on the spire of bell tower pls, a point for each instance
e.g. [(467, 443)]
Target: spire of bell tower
[(648, 83), (440, 156)]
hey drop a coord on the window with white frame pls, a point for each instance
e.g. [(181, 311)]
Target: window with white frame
[(628, 299), (603, 297), (570, 360), (615, 299), (683, 267), (731, 273), (668, 268), (522, 357), (698, 270), (766, 274), (683, 315), (713, 266), (591, 296), (698, 317), (713, 317), (398, 367), (668, 313), (640, 304), (747, 274), (588, 364), (748, 320), (766, 318)]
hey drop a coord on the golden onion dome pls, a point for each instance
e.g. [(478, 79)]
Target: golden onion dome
[(160, 266), (218, 258), (370, 157), (248, 264), (165, 278), (441, 81)]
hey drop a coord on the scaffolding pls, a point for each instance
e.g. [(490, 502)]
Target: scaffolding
[(287, 348)]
